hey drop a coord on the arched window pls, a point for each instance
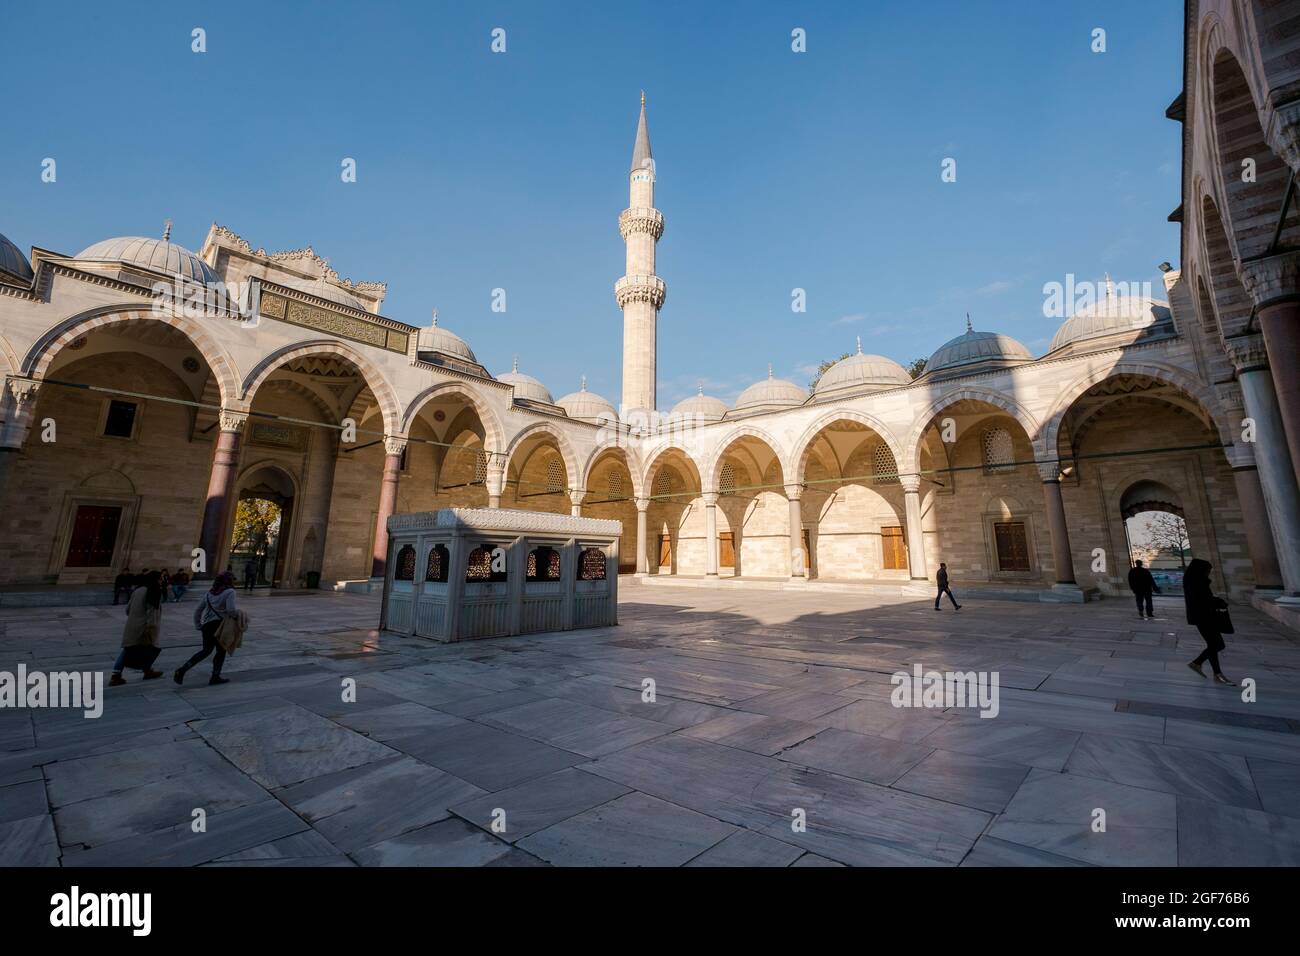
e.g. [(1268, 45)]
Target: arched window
[(999, 452), (543, 564), (883, 467), (615, 485), (486, 564), (554, 475), (727, 480), (435, 569), (405, 570), (591, 565)]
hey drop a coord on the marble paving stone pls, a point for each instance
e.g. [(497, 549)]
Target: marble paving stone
[(281, 747), (485, 756), (880, 718), (875, 759), (301, 846), (19, 800), (1053, 812), (1223, 778), (29, 841), (1278, 785), (451, 842), (1233, 740), (634, 830), (575, 727), (1211, 834), (326, 698), (979, 782), (757, 733), (675, 712), (812, 859), (371, 803), (539, 803), (795, 704), (395, 721), (747, 848), (1043, 747), (990, 851), (497, 700)]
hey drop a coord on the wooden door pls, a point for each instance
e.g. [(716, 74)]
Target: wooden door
[(1012, 545), (94, 534), (665, 551), (893, 548), (726, 549)]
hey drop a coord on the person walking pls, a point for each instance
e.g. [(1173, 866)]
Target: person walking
[(217, 605), (1208, 613), (122, 585), (250, 574), (942, 579), (1142, 584), (180, 584), (143, 631)]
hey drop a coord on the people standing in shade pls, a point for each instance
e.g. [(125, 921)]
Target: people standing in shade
[(122, 585), (1203, 611), (1143, 585), (942, 579), (143, 631), (213, 609), (180, 584), (250, 574)]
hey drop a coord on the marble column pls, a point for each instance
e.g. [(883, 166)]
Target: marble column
[(710, 534), (1050, 472), (1274, 285), (1277, 477), (221, 490), (1259, 537), (912, 515), (798, 557), (642, 535), (575, 503), (495, 480), (393, 448), (19, 406)]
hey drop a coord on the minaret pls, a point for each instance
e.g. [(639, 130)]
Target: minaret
[(640, 292)]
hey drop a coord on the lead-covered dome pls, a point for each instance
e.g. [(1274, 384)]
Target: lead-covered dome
[(771, 393), (526, 386), (700, 407), (588, 406), (862, 371), (973, 348), (13, 262), (437, 339), (159, 255), (1114, 314)]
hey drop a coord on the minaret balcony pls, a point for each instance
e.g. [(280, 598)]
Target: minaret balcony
[(641, 219), (640, 289)]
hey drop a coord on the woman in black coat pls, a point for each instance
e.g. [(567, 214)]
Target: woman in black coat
[(1203, 611)]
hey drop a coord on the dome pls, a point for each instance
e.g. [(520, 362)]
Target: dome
[(588, 406), (974, 348), (437, 339), (526, 386), (863, 371), (13, 261), (322, 290), (771, 393), (1110, 315), (701, 406), (157, 254)]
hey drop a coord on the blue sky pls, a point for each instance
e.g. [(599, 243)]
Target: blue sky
[(476, 170)]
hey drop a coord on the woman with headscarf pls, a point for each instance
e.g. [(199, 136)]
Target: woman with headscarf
[(1203, 611), (140, 637), (213, 609)]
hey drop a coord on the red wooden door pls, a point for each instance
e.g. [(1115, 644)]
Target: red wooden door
[(94, 533)]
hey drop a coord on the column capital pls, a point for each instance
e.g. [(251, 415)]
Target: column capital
[(23, 390), (232, 420), (1049, 471), (1246, 352), (1285, 128), (576, 495), (1240, 455), (642, 504), (710, 498), (911, 484), (794, 491), (1272, 279), (394, 444)]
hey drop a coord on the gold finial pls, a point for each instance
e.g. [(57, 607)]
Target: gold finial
[(643, 99), (167, 230)]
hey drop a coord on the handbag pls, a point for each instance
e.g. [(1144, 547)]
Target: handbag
[(1223, 621)]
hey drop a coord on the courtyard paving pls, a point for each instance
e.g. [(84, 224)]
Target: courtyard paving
[(769, 705)]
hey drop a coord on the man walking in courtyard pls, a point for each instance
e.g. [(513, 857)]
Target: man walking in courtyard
[(1142, 584), (250, 574), (942, 579)]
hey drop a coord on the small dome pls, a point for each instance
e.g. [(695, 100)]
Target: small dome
[(975, 348), (1113, 314), (771, 393), (526, 386), (157, 254), (588, 406), (700, 407), (13, 262), (862, 371), (437, 339), (322, 290)]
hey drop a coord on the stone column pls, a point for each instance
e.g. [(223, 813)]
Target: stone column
[(221, 490), (798, 557), (495, 480), (575, 503), (1050, 472), (19, 405), (393, 448), (642, 535), (1277, 477), (1259, 537), (912, 513), (710, 534), (1274, 284)]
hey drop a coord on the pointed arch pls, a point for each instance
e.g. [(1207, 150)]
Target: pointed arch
[(709, 474), (799, 454), (567, 454), (380, 387), (911, 464), (494, 435), (630, 458), (667, 452)]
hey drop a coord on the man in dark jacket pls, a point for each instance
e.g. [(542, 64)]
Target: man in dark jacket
[(1142, 584), (942, 579)]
